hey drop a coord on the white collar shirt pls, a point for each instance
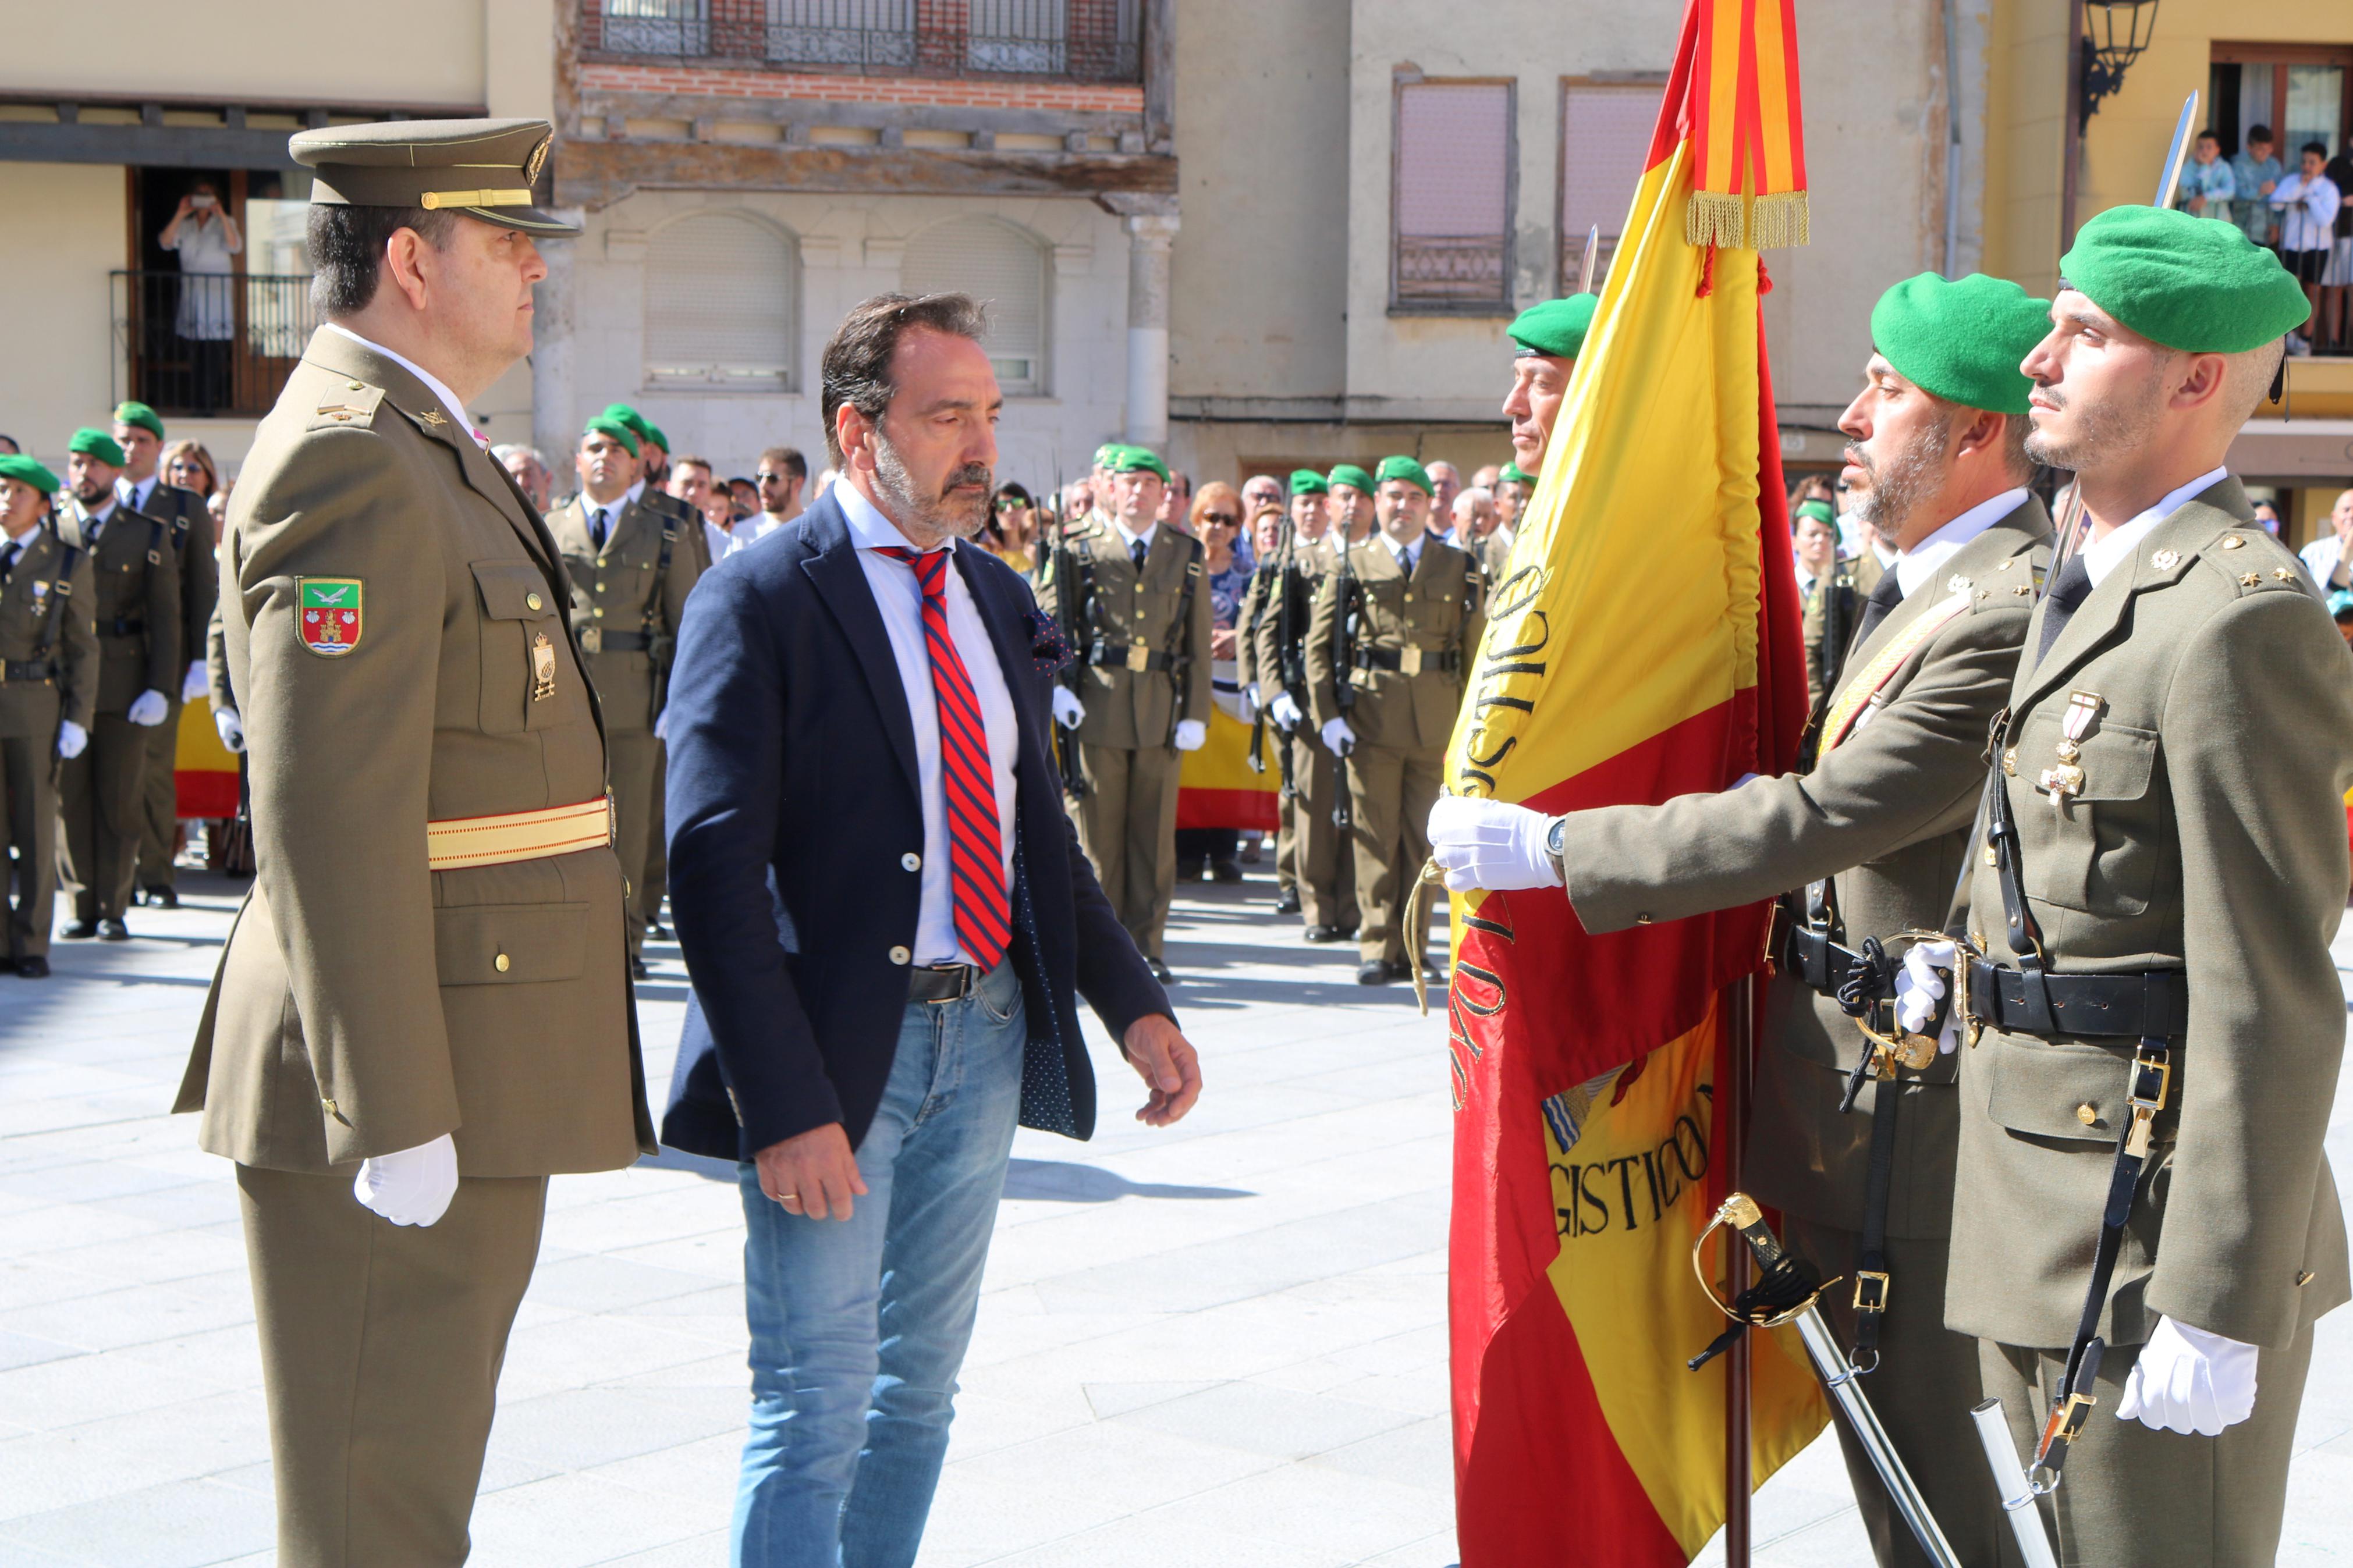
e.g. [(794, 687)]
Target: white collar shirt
[(1919, 565), (439, 388), (629, 496), (900, 598), (1408, 555), (2102, 556), (93, 524), (1130, 541), (757, 527), (135, 494)]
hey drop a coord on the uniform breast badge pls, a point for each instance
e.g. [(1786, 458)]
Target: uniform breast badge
[(543, 667), (432, 419), (2066, 779), (327, 614)]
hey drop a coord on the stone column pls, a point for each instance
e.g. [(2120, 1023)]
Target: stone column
[(1149, 238), (554, 419)]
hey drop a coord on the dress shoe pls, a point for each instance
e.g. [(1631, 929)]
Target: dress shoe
[(1327, 933), (1188, 870), (657, 932), (1250, 853), (32, 968), (80, 930), (1375, 971), (162, 898), (1287, 901), (638, 969), (1225, 871), (113, 930), (1160, 972)]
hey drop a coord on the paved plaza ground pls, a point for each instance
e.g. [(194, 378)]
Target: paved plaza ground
[(1218, 1346)]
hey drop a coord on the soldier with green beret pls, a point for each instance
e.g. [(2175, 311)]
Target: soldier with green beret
[(630, 570), (49, 690), (1513, 486), (1864, 841), (1546, 341), (1388, 656), (1831, 604), (1145, 620), (139, 431), (423, 1010), (2155, 1011), (136, 599)]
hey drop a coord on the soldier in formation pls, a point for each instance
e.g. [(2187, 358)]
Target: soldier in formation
[(48, 687), (1131, 591)]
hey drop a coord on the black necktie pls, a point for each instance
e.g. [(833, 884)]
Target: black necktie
[(1884, 597), (1136, 551), (597, 528), (2068, 590)]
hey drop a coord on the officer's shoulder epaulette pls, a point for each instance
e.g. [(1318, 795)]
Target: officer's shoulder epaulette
[(349, 404), (2012, 583), (2249, 560)]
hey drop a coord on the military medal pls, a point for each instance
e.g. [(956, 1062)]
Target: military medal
[(328, 615), (2066, 779), (542, 668)]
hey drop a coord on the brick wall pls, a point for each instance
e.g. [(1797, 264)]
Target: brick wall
[(811, 86)]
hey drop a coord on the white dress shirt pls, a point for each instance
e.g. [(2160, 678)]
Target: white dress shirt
[(900, 598), (1408, 555), (93, 523), (754, 529), (716, 539), (2102, 556), (440, 389), (2322, 557), (134, 496), (1919, 565), (1130, 541)]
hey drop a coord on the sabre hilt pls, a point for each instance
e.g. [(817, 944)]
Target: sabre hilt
[(1786, 1283)]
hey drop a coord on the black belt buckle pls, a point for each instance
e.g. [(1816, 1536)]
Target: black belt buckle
[(942, 983), (1871, 1288)]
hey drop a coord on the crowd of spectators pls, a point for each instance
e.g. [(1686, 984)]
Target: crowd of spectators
[(2301, 207)]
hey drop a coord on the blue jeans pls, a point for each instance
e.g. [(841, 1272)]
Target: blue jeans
[(858, 1328)]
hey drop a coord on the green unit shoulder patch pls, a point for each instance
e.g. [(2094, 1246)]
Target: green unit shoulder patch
[(329, 620)]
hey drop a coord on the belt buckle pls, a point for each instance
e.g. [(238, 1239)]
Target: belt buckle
[(1139, 658), (1871, 1290), (1409, 661), (2144, 1101), (591, 639)]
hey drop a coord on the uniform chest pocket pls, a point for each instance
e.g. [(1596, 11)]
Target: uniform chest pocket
[(522, 656), (2100, 850)]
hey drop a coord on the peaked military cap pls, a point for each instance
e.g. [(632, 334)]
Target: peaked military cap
[(1352, 476), (1557, 328), (1308, 483), (483, 168), (140, 415), (27, 471), (1407, 469)]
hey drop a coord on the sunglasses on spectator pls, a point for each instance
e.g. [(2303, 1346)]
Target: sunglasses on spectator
[(772, 479), (1225, 518), (1011, 503)]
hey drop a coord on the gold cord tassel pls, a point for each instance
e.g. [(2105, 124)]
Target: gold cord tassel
[(1416, 904), (1779, 220), (1711, 218)]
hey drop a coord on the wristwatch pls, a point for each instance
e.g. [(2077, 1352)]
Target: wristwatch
[(1554, 844)]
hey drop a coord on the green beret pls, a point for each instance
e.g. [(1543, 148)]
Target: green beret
[(1556, 328), (1352, 476), (608, 424), (1106, 453), (1816, 508), (95, 444), (1137, 460), (1514, 474), (1406, 468), (1962, 340), (142, 416), (653, 432), (2183, 281), (630, 417), (25, 471), (1308, 483)]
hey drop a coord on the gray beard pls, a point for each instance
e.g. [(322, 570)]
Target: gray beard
[(1896, 491), (928, 519)]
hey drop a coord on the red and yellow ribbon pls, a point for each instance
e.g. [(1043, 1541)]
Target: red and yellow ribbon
[(1749, 141)]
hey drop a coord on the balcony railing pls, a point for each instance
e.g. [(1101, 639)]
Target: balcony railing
[(1084, 40), (197, 344), (1450, 270)]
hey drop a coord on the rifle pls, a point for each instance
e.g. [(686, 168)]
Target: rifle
[(1180, 664), (1073, 584), (1343, 667)]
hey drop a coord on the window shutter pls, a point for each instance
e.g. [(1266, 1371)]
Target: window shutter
[(722, 302), (1605, 138), (1004, 270), (1453, 193)]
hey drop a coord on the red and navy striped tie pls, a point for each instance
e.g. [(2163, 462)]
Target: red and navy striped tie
[(976, 853)]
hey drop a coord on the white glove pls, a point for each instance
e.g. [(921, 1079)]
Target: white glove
[(150, 708), (1490, 844), (1919, 988), (1068, 710), (1338, 739), (1285, 712), (195, 685), (231, 728), (72, 739), (1190, 734), (2188, 1380), (412, 1187), (1250, 695)]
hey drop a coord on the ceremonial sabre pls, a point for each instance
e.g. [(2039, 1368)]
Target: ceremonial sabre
[(2010, 1479), (1592, 254), (1785, 1293)]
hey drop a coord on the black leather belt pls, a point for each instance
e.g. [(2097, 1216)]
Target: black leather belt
[(1129, 656), (2153, 1005), (15, 670), (1410, 660), (943, 982), (1814, 958), (121, 627)]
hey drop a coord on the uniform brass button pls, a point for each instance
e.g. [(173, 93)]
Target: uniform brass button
[(2009, 761), (531, 602), (598, 613), (1408, 598), (355, 385), (2232, 541), (502, 964), (911, 861), (901, 955), (1642, 919), (2088, 1115)]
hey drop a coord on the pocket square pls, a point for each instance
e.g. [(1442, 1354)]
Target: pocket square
[(1047, 645)]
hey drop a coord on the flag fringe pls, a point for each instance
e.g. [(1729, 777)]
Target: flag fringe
[(1712, 218), (1779, 219)]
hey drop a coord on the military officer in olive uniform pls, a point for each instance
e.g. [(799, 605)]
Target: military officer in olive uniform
[(1146, 651), (631, 569), (1832, 609), (49, 685), (1323, 864), (423, 1011), (1871, 836), (1395, 629), (135, 581), (139, 431), (2157, 1012)]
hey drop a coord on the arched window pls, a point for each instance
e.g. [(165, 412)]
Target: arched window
[(723, 300), (1003, 269)]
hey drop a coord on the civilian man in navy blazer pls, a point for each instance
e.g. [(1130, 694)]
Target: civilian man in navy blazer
[(883, 965)]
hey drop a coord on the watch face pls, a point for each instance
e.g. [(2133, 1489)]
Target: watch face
[(1553, 838)]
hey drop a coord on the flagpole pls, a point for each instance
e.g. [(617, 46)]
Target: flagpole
[(1740, 1009)]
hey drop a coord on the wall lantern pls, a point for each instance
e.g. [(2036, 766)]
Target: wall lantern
[(2115, 34)]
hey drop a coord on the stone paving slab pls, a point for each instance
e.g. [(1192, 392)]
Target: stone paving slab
[(1217, 1346)]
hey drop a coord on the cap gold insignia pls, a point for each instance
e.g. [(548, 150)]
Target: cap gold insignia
[(2166, 560), (537, 160)]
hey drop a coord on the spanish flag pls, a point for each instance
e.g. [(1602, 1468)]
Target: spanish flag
[(1642, 644), (203, 771)]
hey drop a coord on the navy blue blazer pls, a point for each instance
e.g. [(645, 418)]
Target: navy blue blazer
[(792, 799)]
